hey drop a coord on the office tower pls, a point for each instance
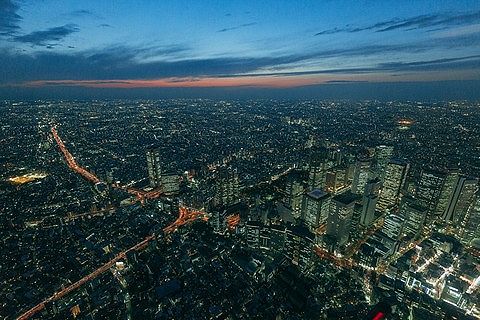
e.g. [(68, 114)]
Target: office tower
[(414, 215), (315, 208), (392, 226), (355, 228), (470, 225), (336, 179), (461, 199), (294, 190), (429, 189), (340, 217), (360, 176), (394, 180), (369, 202), (154, 167), (227, 187), (447, 197), (170, 183), (383, 154), (317, 168), (299, 243)]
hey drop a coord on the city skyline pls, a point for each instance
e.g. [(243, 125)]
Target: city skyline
[(326, 49)]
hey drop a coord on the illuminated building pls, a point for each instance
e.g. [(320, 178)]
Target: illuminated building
[(227, 187), (317, 168), (294, 190), (360, 176), (414, 216), (447, 198), (429, 189), (154, 167), (395, 175), (461, 199), (383, 154), (336, 179), (469, 226), (340, 215), (315, 208), (393, 225), (369, 202), (170, 183)]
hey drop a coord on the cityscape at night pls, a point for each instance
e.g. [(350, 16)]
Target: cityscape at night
[(243, 160)]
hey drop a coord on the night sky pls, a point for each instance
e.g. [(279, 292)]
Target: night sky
[(330, 48)]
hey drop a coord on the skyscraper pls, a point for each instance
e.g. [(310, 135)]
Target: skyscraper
[(393, 226), (315, 208), (170, 183), (154, 167), (463, 197), (336, 179), (429, 189), (414, 216), (369, 202), (395, 175), (447, 197), (383, 154), (317, 168), (294, 189), (469, 226), (360, 176), (340, 216), (227, 187)]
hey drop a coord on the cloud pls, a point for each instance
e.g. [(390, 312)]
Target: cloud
[(412, 23), (238, 27), (9, 18), (169, 61), (41, 38), (84, 13), (79, 13)]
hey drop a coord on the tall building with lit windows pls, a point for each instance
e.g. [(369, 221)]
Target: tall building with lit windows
[(315, 208), (340, 215), (383, 155), (429, 189), (154, 167), (360, 176), (394, 180), (461, 199), (470, 225)]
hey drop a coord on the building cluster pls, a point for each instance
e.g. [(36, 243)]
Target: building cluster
[(312, 209)]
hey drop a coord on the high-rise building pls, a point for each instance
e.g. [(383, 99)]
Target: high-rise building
[(429, 189), (469, 226), (315, 208), (414, 215), (383, 154), (299, 243), (360, 176), (294, 190), (227, 187), (317, 168), (369, 202), (394, 180), (340, 215), (393, 225), (461, 199), (336, 179), (447, 198), (154, 167), (170, 183)]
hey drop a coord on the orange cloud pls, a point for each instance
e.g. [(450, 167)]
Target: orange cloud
[(190, 82)]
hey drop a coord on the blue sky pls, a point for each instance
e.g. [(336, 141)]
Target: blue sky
[(235, 44)]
